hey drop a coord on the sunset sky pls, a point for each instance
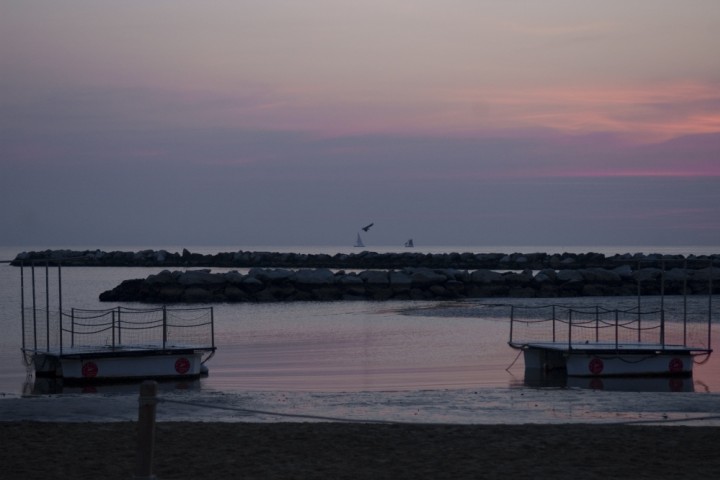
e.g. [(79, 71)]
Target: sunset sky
[(286, 122)]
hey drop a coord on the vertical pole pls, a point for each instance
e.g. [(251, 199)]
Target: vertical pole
[(616, 329), (553, 322), (47, 306), (570, 329), (710, 292), (59, 266), (638, 303), (662, 286), (22, 302), (164, 325), (512, 319), (112, 327), (72, 327), (212, 326), (146, 430), (638, 286), (662, 304), (685, 275), (597, 324), (119, 326), (662, 328), (60, 307), (32, 270)]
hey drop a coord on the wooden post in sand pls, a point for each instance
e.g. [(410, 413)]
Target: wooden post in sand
[(146, 430)]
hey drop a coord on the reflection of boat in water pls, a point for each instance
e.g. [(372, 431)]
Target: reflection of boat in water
[(358, 241), (57, 385), (537, 378), (409, 243)]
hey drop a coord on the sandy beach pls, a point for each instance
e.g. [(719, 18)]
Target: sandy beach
[(184, 450)]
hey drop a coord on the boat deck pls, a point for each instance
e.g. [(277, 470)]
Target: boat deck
[(118, 351), (611, 348)]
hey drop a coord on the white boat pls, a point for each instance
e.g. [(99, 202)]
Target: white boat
[(358, 241), (601, 342), (120, 343), (409, 243), (598, 342)]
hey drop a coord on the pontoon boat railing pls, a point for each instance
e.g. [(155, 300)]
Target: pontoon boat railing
[(118, 327)]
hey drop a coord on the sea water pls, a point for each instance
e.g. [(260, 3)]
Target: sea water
[(315, 351)]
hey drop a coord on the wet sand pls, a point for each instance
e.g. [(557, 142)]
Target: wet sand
[(35, 450)]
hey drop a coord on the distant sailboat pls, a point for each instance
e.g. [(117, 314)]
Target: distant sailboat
[(359, 242), (409, 243)]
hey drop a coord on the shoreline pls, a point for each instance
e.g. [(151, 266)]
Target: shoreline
[(359, 451)]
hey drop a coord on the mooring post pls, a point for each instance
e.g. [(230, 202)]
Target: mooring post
[(146, 430)]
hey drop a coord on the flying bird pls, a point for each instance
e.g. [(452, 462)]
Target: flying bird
[(367, 227)]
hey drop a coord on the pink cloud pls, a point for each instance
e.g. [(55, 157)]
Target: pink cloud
[(644, 113)]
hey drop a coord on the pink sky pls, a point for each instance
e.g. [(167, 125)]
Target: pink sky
[(293, 94)]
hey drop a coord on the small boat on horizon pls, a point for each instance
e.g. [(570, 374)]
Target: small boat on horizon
[(409, 243), (358, 241)]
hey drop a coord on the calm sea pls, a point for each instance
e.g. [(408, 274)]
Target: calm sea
[(334, 346)]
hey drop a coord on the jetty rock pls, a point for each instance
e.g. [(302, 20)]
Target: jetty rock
[(365, 260), (284, 285)]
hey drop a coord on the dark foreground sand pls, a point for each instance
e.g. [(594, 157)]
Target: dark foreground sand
[(185, 450)]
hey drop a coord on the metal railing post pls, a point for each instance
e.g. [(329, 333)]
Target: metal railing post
[(72, 327), (22, 302), (164, 310), (32, 270), (47, 306), (616, 329), (710, 293), (512, 320), (662, 328), (639, 308), (212, 326), (685, 273), (119, 326), (60, 305), (597, 324), (569, 329), (553, 322), (60, 320)]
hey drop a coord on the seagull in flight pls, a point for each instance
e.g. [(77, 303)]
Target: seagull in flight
[(367, 227)]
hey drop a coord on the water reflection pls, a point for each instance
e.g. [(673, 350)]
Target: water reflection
[(559, 379), (47, 386)]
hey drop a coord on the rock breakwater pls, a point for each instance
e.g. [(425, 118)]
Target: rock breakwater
[(361, 260), (283, 285)]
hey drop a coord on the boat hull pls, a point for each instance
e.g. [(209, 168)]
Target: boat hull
[(590, 365), (140, 366), (597, 362), (121, 365)]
